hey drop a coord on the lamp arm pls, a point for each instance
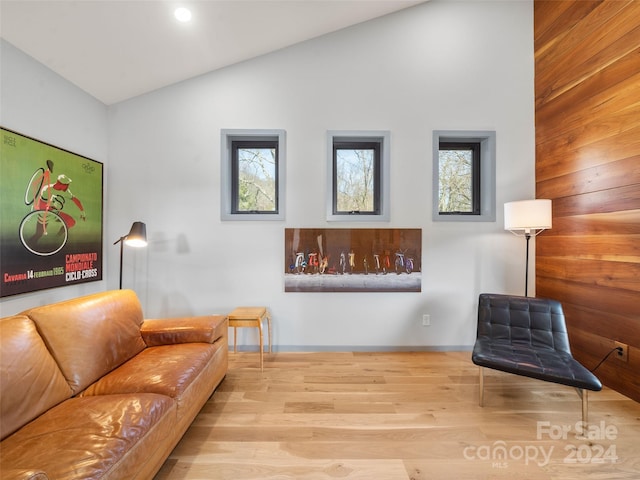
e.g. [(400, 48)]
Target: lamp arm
[(120, 240)]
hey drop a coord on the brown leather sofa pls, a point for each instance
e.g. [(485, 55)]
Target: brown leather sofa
[(90, 390)]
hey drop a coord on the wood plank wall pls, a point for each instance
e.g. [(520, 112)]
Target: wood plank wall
[(587, 91)]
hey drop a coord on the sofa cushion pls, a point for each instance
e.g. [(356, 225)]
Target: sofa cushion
[(30, 379), (167, 370), (104, 327), (107, 437), (24, 474)]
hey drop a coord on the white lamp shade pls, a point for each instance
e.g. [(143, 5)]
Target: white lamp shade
[(527, 215)]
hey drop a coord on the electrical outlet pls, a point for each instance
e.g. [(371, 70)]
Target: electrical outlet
[(624, 355), (426, 320)]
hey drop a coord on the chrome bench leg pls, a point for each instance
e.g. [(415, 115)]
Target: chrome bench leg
[(584, 395), (481, 382)]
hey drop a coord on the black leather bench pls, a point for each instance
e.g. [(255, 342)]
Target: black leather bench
[(528, 336)]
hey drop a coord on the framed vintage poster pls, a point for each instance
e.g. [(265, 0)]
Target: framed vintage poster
[(51, 216), (353, 260)]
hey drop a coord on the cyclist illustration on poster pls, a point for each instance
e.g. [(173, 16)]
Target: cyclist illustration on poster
[(51, 230)]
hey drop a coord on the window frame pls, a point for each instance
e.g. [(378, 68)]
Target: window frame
[(380, 141), (229, 172), (485, 175)]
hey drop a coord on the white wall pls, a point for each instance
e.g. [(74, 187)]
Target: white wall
[(36, 102), (438, 66)]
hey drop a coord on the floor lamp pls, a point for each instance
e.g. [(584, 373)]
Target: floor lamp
[(524, 219), (137, 237)]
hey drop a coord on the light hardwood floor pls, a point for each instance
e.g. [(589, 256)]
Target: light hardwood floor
[(400, 416)]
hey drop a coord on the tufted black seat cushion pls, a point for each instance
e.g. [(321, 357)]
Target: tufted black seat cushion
[(528, 336)]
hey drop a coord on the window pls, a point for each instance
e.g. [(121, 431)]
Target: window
[(359, 178), (254, 183), (252, 165), (356, 178), (464, 176), (459, 178)]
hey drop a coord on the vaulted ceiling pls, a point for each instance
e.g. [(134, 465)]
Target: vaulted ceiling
[(118, 49)]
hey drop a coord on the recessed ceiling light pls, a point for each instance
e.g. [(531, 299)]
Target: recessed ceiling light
[(182, 14)]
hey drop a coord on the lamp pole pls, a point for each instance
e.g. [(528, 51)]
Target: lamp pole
[(527, 236), (122, 251), (121, 241)]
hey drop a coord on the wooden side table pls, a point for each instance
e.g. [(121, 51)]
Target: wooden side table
[(250, 317)]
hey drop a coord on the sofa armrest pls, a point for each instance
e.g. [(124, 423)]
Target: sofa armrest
[(167, 331)]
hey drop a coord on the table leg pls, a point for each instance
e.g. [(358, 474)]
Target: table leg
[(269, 330), (235, 338), (261, 344)]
